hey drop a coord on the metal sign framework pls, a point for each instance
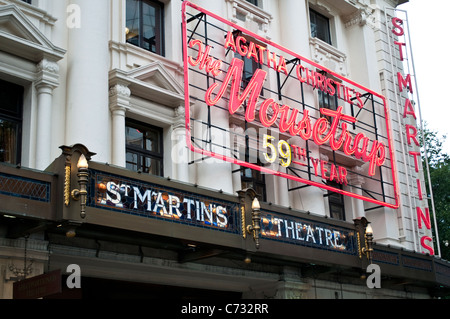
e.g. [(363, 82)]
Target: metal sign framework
[(291, 81)]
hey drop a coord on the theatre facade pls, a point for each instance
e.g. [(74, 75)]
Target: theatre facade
[(218, 149)]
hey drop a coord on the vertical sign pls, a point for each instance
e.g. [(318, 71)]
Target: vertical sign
[(406, 90)]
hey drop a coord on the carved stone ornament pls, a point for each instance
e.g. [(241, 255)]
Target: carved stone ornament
[(120, 90)]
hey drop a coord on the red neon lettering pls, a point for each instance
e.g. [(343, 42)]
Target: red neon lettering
[(242, 49), (282, 65), (301, 153), (253, 89), (424, 245), (338, 89), (404, 82), (416, 161), (305, 126), (398, 23), (323, 169), (252, 52), (400, 47), (348, 95), (320, 127), (229, 42), (271, 59), (321, 131), (261, 53), (300, 69), (421, 216), (334, 173), (311, 78), (359, 100), (320, 79), (343, 175), (411, 133), (408, 109), (330, 86), (263, 113), (209, 63), (285, 123), (337, 117), (419, 189), (206, 62), (315, 164), (199, 54)]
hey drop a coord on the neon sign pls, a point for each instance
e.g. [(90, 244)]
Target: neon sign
[(287, 116), (405, 85)]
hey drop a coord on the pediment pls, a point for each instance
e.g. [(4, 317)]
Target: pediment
[(151, 82), (20, 37), (156, 74)]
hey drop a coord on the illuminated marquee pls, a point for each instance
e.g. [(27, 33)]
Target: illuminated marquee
[(256, 104), (147, 200), (297, 231)]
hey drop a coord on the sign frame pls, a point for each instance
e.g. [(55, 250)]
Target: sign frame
[(394, 203)]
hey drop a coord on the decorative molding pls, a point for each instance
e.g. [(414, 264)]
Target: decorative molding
[(119, 90), (22, 38), (328, 56), (250, 16), (179, 118), (48, 66), (363, 16)]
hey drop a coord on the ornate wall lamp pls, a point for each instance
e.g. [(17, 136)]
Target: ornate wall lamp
[(368, 250), (70, 154), (83, 177), (255, 227), (364, 230), (250, 209)]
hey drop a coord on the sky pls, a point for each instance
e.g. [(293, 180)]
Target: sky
[(427, 23)]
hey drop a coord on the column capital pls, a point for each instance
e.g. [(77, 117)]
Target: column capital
[(356, 179), (47, 75), (119, 98), (179, 120)]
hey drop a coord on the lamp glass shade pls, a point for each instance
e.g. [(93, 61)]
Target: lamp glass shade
[(369, 230), (255, 204), (82, 162)]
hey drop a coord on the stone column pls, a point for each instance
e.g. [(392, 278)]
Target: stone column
[(119, 103), (180, 152), (88, 60), (48, 80)]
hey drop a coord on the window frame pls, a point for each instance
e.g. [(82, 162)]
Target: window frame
[(141, 152), (258, 179), (247, 76), (324, 99), (254, 2), (14, 117), (161, 43), (313, 14), (333, 202)]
